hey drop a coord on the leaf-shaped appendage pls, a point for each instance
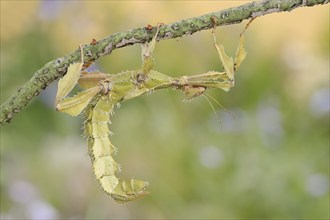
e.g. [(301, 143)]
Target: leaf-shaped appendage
[(66, 84)]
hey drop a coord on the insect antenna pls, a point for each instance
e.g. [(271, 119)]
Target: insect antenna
[(208, 98)]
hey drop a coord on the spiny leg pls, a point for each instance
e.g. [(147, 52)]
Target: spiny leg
[(147, 49), (241, 52), (231, 65), (226, 61), (227, 78), (147, 63)]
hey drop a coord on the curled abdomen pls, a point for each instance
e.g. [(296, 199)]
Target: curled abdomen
[(97, 119)]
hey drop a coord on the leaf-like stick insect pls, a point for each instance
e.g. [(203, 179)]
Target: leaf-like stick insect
[(104, 91)]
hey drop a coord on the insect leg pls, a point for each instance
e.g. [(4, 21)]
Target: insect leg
[(241, 52), (226, 61), (67, 82), (76, 104), (147, 49)]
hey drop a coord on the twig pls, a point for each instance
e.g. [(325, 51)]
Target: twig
[(93, 51)]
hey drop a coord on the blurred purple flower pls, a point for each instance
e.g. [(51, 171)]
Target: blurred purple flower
[(49, 10), (320, 102)]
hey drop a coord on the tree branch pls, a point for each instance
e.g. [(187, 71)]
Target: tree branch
[(57, 68)]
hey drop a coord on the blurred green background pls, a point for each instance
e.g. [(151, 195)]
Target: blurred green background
[(266, 154)]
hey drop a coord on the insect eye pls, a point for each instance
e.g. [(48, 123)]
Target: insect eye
[(140, 78), (106, 86)]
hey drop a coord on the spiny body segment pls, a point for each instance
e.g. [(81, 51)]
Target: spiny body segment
[(97, 118), (102, 92)]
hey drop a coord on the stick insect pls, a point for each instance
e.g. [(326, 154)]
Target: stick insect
[(102, 92)]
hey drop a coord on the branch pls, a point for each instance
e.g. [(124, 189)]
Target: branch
[(57, 68)]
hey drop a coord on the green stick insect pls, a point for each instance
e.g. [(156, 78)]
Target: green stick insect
[(102, 92)]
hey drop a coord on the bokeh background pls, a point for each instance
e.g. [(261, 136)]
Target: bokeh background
[(265, 154)]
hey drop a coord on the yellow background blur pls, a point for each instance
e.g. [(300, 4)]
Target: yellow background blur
[(265, 156)]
